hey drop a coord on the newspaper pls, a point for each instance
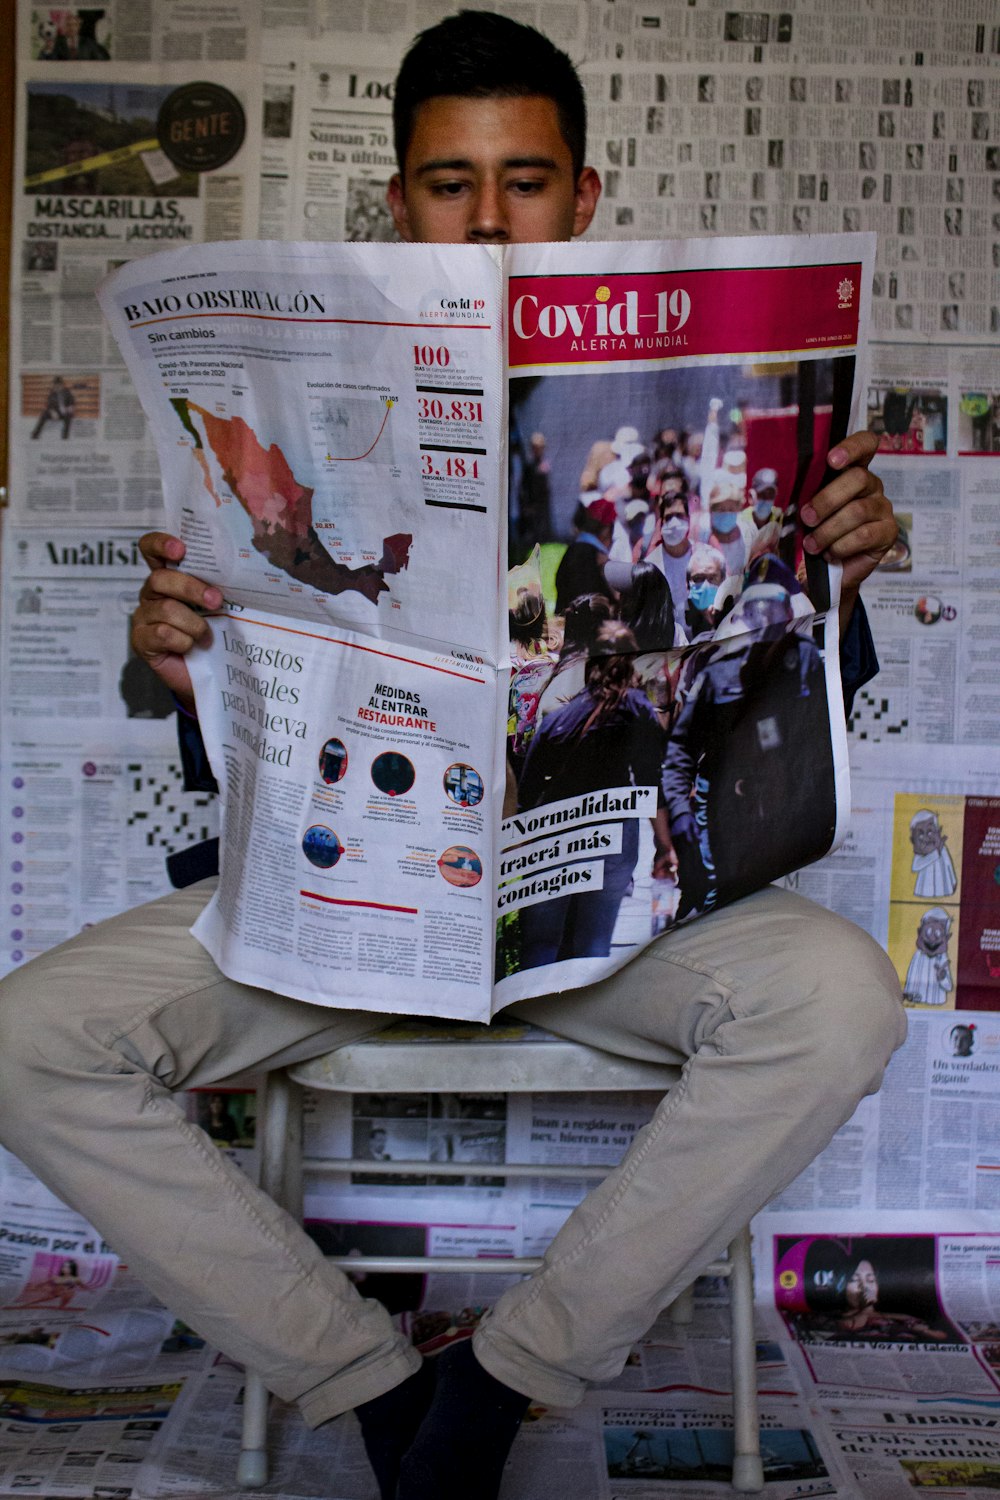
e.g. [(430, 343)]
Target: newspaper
[(123, 147), (331, 426), (189, 31), (334, 117), (889, 1455)]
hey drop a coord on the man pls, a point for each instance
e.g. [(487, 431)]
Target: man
[(706, 573), (763, 496), (669, 544), (60, 404), (746, 717), (490, 140)]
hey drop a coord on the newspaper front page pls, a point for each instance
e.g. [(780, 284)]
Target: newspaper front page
[(354, 694)]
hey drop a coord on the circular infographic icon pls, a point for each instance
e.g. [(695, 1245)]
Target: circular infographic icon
[(393, 773), (200, 126), (321, 846), (464, 785), (461, 865), (333, 761), (928, 609)]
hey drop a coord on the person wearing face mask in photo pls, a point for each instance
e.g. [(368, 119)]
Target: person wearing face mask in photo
[(730, 521), (669, 545), (706, 570), (763, 497)]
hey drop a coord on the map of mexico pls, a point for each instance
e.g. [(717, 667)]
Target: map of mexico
[(280, 507), (330, 426)]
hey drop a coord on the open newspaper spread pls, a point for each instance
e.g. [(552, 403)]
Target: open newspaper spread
[(462, 762)]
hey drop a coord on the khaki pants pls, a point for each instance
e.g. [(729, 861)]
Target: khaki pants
[(781, 1015)]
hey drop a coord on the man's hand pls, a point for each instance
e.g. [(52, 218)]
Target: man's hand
[(166, 624), (853, 520)]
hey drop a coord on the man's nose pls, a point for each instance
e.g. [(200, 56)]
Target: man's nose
[(488, 216)]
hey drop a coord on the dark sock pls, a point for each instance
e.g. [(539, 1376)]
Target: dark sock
[(389, 1424), (463, 1442)]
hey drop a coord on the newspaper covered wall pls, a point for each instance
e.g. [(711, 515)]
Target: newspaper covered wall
[(704, 120)]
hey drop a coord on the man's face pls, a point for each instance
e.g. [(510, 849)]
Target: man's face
[(672, 504), (705, 573), (490, 171)]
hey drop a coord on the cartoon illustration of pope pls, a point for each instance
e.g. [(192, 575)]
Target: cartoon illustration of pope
[(928, 978), (932, 864)]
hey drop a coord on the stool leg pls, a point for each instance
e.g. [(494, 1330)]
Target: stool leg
[(681, 1310), (251, 1469), (748, 1469), (273, 1098), (274, 1142)]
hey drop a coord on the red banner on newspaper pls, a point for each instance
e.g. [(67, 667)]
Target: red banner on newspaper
[(573, 320)]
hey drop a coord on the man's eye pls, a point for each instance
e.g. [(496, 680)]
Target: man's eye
[(447, 189), (526, 186)]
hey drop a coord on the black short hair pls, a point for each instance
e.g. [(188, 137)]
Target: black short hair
[(477, 54)]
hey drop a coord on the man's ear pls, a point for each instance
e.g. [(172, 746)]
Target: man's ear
[(588, 191), (396, 200)]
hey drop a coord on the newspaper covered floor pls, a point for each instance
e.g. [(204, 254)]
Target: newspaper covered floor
[(878, 1355)]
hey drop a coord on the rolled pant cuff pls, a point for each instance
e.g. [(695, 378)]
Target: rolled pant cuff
[(342, 1392), (522, 1373)]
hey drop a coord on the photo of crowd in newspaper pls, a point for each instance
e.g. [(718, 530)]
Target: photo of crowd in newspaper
[(674, 720)]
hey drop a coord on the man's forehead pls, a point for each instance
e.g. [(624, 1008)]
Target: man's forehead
[(520, 130)]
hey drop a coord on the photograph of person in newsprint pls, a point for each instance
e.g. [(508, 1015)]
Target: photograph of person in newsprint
[(663, 638), (871, 1289)]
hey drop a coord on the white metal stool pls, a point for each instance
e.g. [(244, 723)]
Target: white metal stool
[(433, 1057)]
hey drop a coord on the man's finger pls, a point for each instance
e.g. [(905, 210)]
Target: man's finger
[(859, 448), (871, 540), (168, 583), (855, 483), (866, 525), (158, 639), (172, 612), (159, 547)]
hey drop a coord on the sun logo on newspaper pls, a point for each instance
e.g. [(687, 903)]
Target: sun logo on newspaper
[(845, 293), (603, 294)]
